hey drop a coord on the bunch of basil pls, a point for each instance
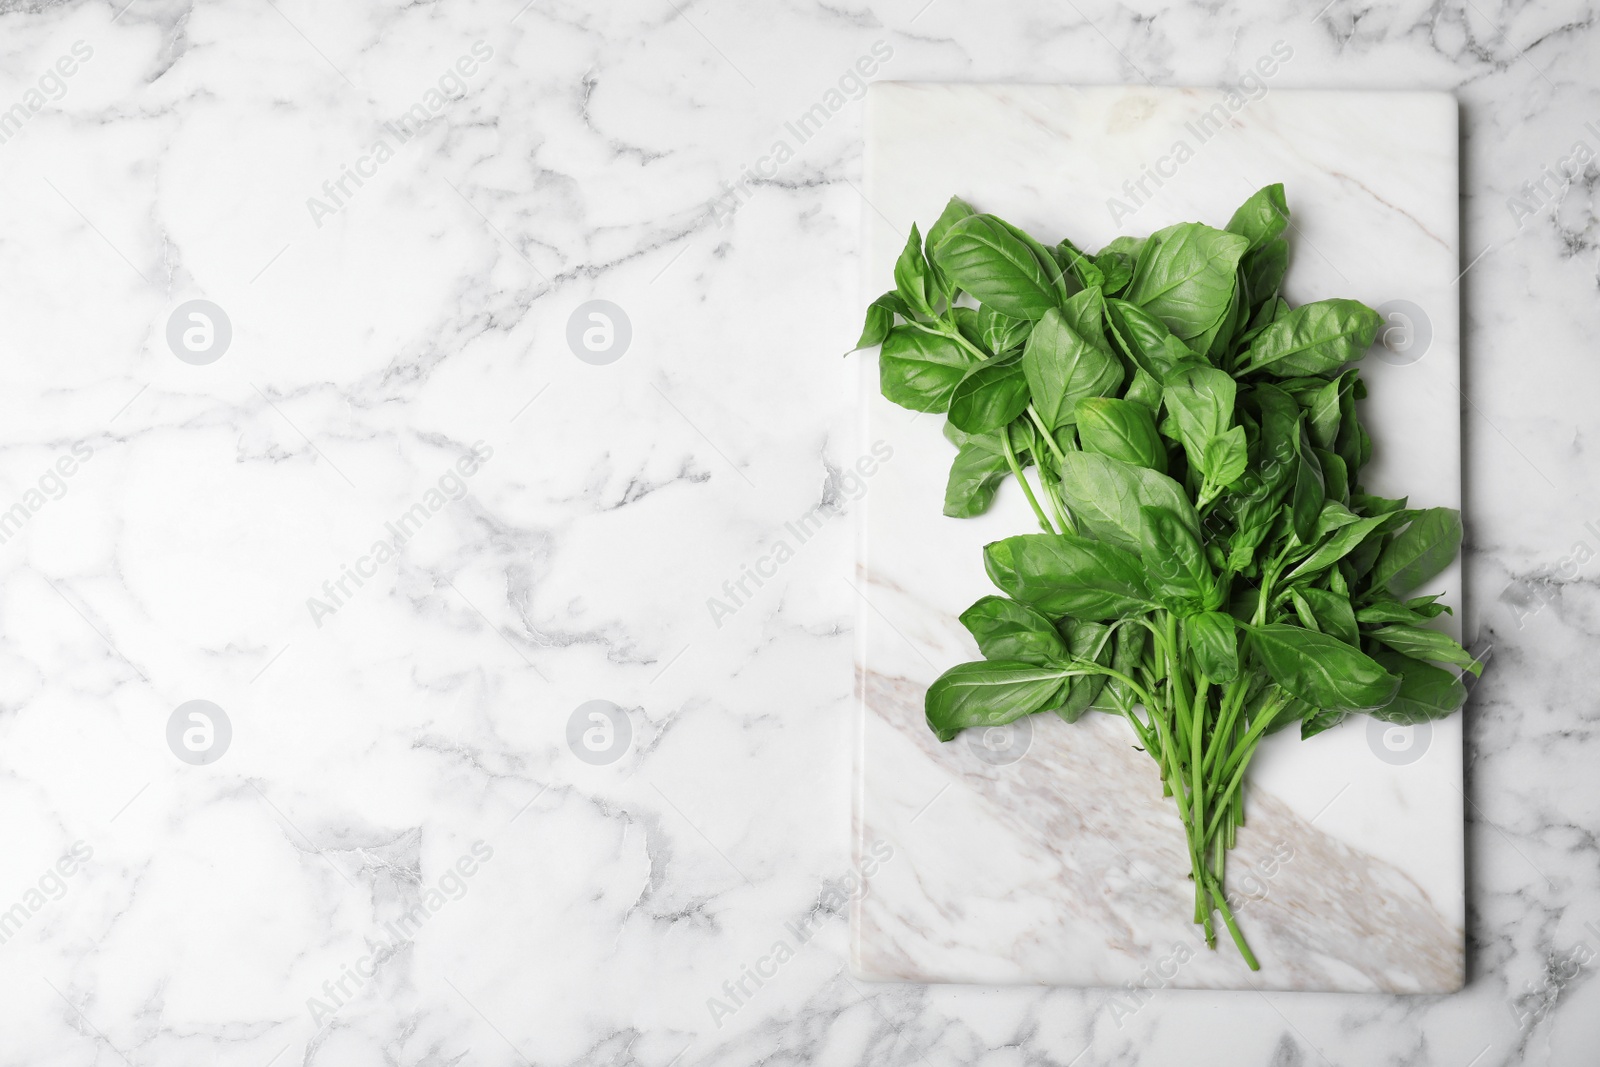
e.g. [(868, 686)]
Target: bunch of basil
[(1210, 567)]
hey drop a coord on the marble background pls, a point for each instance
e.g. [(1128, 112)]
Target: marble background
[(413, 752)]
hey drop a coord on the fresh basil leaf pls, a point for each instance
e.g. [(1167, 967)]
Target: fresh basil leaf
[(880, 319), (1144, 390), (1320, 720), (1420, 551), (1426, 692), (1263, 271), (1088, 273), (1185, 276), (1063, 574), (980, 254), (1225, 457), (1116, 271), (1121, 429), (1421, 643), (954, 211), (1062, 367), (1007, 630), (1309, 493), (975, 477), (1105, 495), (1175, 565), (912, 279), (989, 395), (1215, 645), (1335, 479), (1145, 339), (920, 370), (1337, 546), (997, 332), (1333, 614), (989, 694), (1091, 641), (1199, 402), (1262, 217), (1322, 670), (1314, 339)]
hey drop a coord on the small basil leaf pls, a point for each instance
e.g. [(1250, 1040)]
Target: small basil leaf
[(975, 476), (880, 319), (1262, 217), (912, 278)]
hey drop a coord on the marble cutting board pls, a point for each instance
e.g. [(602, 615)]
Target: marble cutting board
[(1045, 853)]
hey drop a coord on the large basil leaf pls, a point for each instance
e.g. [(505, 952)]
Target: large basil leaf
[(989, 395), (1063, 367), (1426, 692), (1322, 670), (1005, 629), (1185, 276), (980, 254), (1062, 574), (1105, 496), (1420, 551), (1262, 217), (1314, 339), (1121, 429), (920, 370), (989, 694)]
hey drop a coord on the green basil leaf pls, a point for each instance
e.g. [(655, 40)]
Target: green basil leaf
[(1262, 217), (997, 332), (1063, 367), (1007, 630), (1426, 692), (1421, 643), (1322, 670), (1063, 574), (1105, 495), (989, 395), (954, 211), (1146, 339), (1314, 339), (1175, 565), (1262, 271), (1319, 720), (975, 477), (1225, 457), (1087, 641), (1215, 645), (920, 370), (912, 279), (1116, 270), (1185, 276), (1333, 614), (1420, 551), (1144, 390), (989, 694), (980, 254), (1121, 429), (1199, 401), (1309, 493), (880, 319), (1337, 546)]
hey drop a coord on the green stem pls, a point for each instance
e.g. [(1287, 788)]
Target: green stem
[(1233, 928), (1016, 469)]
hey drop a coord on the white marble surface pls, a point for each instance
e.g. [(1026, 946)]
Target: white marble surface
[(1046, 854), (584, 160)]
